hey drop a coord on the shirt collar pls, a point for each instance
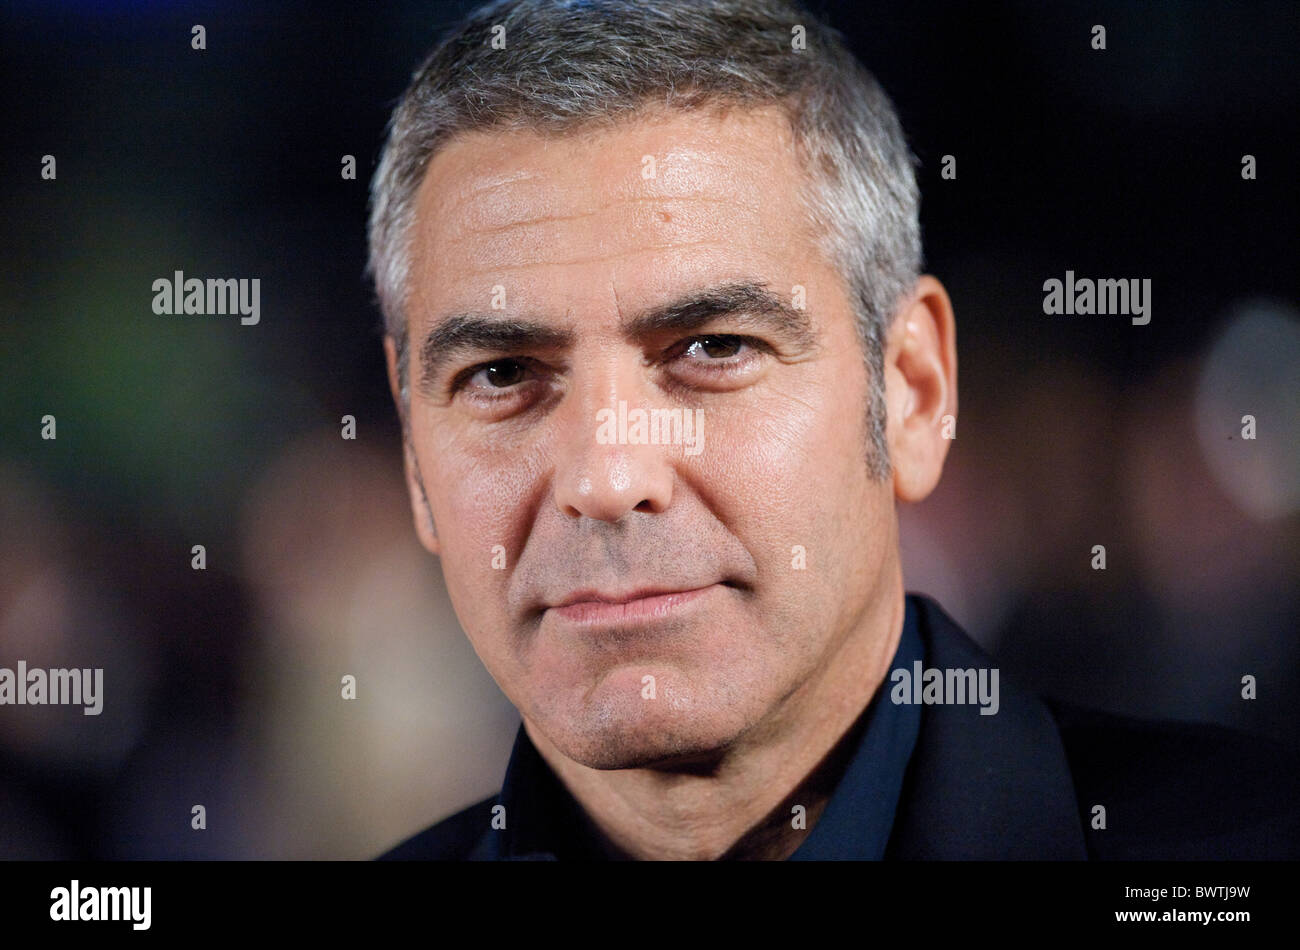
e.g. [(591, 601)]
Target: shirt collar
[(858, 819), (542, 821)]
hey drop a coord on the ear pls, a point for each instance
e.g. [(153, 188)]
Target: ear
[(921, 389), (420, 511)]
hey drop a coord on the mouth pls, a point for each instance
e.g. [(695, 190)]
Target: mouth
[(591, 608)]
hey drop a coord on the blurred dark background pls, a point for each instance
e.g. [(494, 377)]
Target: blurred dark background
[(223, 686)]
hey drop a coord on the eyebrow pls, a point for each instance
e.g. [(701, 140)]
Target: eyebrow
[(485, 333), (751, 301), (489, 332)]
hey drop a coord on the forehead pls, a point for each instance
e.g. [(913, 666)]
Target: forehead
[(655, 201)]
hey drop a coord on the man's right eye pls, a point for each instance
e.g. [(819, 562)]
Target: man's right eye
[(501, 388)]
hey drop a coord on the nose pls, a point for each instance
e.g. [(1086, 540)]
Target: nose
[(606, 470), (609, 484)]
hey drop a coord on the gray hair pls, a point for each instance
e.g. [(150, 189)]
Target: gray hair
[(568, 64)]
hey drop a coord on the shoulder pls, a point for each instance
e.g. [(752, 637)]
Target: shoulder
[(1169, 790), (452, 839), (1175, 790)]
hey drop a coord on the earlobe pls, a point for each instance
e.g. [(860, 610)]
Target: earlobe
[(921, 384)]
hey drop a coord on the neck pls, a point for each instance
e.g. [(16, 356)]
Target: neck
[(739, 805)]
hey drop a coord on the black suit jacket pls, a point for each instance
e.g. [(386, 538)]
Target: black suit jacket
[(1022, 784)]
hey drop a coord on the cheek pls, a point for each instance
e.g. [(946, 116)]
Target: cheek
[(788, 476), (794, 453), (482, 504)]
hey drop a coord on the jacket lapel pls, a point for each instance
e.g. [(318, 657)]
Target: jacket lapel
[(984, 787)]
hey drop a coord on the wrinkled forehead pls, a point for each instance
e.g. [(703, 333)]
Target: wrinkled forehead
[(656, 191)]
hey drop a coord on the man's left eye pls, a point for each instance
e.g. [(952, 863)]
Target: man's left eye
[(716, 362), (705, 348), (501, 374)]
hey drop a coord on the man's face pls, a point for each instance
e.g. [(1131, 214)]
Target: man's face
[(553, 278)]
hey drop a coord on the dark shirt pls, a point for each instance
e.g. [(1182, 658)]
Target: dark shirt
[(859, 817)]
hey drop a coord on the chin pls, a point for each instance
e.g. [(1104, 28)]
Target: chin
[(648, 733)]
